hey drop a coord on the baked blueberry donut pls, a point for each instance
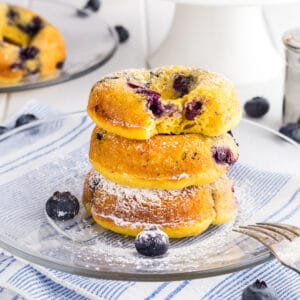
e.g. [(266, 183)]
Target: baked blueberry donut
[(163, 161), (28, 44), (179, 213), (138, 104)]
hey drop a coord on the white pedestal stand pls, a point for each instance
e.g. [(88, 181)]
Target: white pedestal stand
[(232, 40)]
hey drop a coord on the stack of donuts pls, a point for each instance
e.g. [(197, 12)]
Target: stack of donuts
[(160, 151)]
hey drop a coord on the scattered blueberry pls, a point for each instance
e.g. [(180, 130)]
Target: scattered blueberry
[(292, 130), (122, 33), (182, 83), (3, 129), (153, 99), (223, 155), (259, 291), (28, 53), (193, 109), (257, 107), (152, 242), (25, 119), (93, 5), (62, 206), (90, 6), (60, 65)]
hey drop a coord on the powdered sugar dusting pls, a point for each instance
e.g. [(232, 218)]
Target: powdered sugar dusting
[(141, 195)]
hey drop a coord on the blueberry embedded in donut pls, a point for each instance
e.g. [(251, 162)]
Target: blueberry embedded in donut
[(152, 98), (170, 110), (27, 53), (12, 15), (94, 181), (182, 84), (99, 136), (33, 27), (16, 66), (223, 155), (193, 109)]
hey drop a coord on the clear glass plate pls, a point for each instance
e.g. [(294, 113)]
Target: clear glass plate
[(38, 159), (90, 43)]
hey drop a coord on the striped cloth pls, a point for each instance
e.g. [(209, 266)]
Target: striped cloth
[(20, 280)]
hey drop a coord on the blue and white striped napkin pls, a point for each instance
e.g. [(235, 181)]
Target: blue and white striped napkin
[(35, 282)]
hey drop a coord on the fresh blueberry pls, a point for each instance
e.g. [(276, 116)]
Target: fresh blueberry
[(257, 107), (60, 65), (223, 155), (93, 5), (193, 109), (122, 33), (25, 119), (152, 98), (292, 130), (259, 291), (182, 83), (152, 242), (28, 53), (62, 206), (3, 129)]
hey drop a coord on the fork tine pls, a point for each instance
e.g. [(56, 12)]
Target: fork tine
[(285, 233), (261, 238), (269, 233), (290, 228)]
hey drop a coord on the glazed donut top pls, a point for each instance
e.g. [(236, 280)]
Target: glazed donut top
[(138, 104), (28, 44)]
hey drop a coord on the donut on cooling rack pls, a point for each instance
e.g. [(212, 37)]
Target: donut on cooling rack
[(28, 45), (138, 104), (163, 161), (179, 213)]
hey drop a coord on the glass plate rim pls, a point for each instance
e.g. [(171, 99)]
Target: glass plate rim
[(56, 264), (59, 80)]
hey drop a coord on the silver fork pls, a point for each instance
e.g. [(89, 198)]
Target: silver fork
[(282, 240)]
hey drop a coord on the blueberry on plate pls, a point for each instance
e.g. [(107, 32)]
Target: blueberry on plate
[(257, 107), (292, 130), (152, 242), (259, 291), (25, 119), (122, 33), (3, 129), (62, 206)]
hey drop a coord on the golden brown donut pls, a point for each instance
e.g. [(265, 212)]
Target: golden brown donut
[(138, 104), (28, 44), (163, 161), (179, 213)]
